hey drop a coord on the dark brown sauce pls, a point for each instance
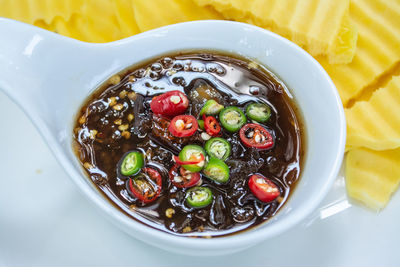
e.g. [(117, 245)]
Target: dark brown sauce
[(105, 130)]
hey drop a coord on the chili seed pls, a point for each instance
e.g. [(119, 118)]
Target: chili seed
[(123, 127), (82, 119), (126, 134), (123, 94), (131, 78), (87, 166), (178, 179), (260, 181), (205, 136), (115, 79), (130, 117), (180, 124), (187, 229), (175, 99), (188, 176), (112, 101), (118, 106), (93, 134), (169, 212), (132, 95), (118, 122)]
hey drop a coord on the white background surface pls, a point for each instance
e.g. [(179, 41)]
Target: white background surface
[(45, 221)]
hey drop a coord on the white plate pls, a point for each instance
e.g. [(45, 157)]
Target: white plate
[(45, 221)]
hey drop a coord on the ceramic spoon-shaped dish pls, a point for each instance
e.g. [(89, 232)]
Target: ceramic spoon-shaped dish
[(49, 76)]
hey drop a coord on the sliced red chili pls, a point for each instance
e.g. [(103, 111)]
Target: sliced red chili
[(170, 104), (182, 178), (183, 126), (254, 135), (146, 186), (211, 125), (189, 162), (263, 188)]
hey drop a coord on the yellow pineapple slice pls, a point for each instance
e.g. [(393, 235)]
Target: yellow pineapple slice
[(378, 48), (321, 27), (372, 176), (375, 123), (151, 14), (86, 20), (344, 48), (76, 28), (126, 17), (30, 11), (95, 21), (101, 19)]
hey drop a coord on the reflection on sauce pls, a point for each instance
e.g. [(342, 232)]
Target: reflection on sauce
[(117, 118)]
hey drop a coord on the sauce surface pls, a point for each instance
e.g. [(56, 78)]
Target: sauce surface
[(117, 118)]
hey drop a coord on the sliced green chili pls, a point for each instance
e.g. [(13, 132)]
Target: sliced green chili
[(259, 112), (199, 197), (217, 170), (193, 153), (232, 119), (201, 124), (218, 148), (211, 107), (131, 163)]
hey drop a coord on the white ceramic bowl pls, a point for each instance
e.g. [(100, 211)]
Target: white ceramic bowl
[(50, 76)]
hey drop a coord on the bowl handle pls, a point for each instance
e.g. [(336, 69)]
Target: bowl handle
[(27, 58), (46, 73)]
